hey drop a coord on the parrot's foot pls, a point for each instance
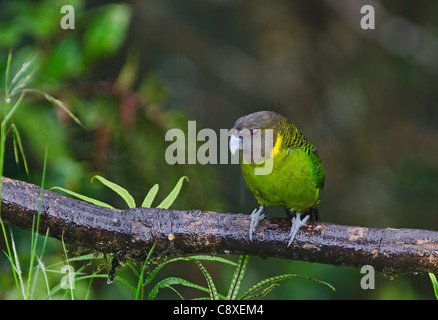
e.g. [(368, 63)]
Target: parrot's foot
[(256, 216), (297, 223)]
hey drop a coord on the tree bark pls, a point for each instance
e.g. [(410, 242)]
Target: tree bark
[(134, 231)]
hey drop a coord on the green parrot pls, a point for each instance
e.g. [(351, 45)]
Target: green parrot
[(295, 174)]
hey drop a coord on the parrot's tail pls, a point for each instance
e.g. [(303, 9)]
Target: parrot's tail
[(313, 213)]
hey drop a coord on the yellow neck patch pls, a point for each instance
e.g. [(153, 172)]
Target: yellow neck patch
[(277, 146)]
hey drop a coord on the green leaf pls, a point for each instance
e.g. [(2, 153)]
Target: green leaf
[(56, 102), (22, 77), (154, 272), (239, 272), (249, 294), (64, 107), (14, 108), (264, 292), (168, 201), (8, 70), (17, 141), (35, 226), (147, 202), (90, 256), (84, 198), (211, 287), (65, 59), (25, 67), (211, 258), (174, 290), (434, 284), (57, 288), (143, 269), (118, 189), (107, 32), (172, 281)]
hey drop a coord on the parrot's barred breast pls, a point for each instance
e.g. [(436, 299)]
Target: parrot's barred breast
[(290, 183)]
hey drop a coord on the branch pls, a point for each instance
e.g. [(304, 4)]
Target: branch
[(177, 233)]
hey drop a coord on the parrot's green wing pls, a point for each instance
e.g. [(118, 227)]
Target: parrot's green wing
[(299, 141), (318, 171)]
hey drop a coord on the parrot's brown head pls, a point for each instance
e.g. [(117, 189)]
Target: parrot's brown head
[(258, 135)]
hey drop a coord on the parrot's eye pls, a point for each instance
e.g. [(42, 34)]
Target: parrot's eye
[(255, 132)]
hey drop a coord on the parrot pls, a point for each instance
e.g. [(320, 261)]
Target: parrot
[(296, 175)]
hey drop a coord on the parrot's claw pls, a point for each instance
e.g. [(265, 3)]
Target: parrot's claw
[(256, 216), (297, 223)]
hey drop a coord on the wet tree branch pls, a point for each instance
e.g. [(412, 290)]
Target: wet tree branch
[(186, 232)]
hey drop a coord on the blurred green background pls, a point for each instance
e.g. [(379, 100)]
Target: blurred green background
[(367, 99)]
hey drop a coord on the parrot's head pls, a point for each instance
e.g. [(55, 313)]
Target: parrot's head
[(257, 135)]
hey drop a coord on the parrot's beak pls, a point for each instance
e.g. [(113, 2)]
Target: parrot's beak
[(235, 144)]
